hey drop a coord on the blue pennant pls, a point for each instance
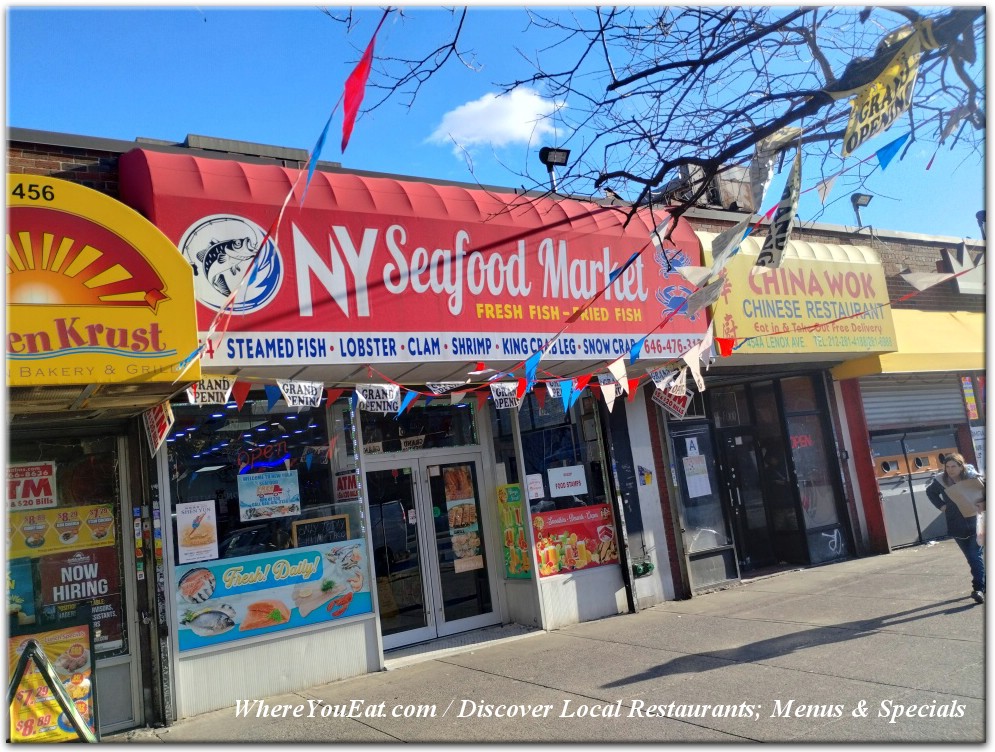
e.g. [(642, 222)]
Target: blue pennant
[(273, 395)]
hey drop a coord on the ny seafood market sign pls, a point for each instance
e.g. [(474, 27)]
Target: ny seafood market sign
[(95, 293)]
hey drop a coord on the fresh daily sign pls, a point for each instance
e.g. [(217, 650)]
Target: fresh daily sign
[(376, 270)]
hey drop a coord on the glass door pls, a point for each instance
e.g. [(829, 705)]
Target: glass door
[(746, 499), (428, 547)]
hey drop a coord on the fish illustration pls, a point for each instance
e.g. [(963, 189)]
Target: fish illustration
[(197, 585), (225, 257), (212, 621)]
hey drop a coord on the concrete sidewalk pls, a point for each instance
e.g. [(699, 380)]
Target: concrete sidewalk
[(794, 657)]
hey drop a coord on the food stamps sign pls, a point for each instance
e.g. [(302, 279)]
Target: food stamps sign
[(95, 293)]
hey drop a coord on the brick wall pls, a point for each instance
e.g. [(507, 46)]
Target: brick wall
[(94, 169), (896, 255)]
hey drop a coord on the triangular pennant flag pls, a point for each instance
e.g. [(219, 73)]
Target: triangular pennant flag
[(530, 368), (331, 395), (354, 400), (609, 389), (694, 274), (617, 369), (441, 387), (380, 398), (662, 376), (316, 154), (566, 390), (215, 390), (924, 280), (887, 152), (577, 386), (192, 394), (541, 398), (680, 384), (355, 88), (456, 397), (691, 357), (595, 388), (505, 395), (636, 350), (825, 186), (481, 399), (331, 446), (300, 393), (272, 395), (553, 389), (428, 400), (726, 243), (480, 369), (240, 390), (308, 459), (408, 399), (725, 346), (659, 233), (633, 388), (521, 388), (704, 296), (705, 348), (784, 218)]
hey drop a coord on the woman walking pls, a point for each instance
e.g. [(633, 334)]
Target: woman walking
[(963, 529)]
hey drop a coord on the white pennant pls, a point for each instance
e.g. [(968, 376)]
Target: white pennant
[(380, 398), (456, 397), (553, 389), (924, 280), (610, 389), (617, 369), (215, 390), (662, 376), (505, 394), (301, 393), (784, 218), (825, 186), (691, 357), (705, 347), (680, 385), (704, 296), (725, 245)]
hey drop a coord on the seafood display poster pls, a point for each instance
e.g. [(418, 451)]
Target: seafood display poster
[(48, 531), (264, 496), (35, 715), (234, 599), (517, 560), (464, 530), (197, 531), (575, 538)]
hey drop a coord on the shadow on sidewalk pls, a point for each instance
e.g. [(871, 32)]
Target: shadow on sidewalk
[(780, 646)]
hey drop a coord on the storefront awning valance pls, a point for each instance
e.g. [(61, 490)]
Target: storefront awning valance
[(928, 341)]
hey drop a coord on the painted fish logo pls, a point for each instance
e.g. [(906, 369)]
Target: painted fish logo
[(673, 297), (224, 251)]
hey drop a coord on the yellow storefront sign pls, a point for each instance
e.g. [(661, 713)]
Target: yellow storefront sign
[(96, 294), (808, 305)]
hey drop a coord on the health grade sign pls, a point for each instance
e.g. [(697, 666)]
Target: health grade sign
[(95, 293), (381, 270)]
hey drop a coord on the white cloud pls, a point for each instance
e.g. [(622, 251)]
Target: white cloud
[(522, 116)]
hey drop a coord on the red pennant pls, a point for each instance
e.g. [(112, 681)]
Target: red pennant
[(520, 392), (581, 382), (333, 394), (633, 387), (482, 398), (540, 397), (355, 89), (240, 390), (331, 444), (725, 346), (596, 390)]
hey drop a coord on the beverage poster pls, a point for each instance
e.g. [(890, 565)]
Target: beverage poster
[(264, 496), (197, 531), (577, 538), (35, 715), (517, 558)]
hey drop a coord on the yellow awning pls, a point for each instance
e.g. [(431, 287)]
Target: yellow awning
[(927, 341)]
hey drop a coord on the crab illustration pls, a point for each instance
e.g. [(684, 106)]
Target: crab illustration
[(673, 297), (670, 259)]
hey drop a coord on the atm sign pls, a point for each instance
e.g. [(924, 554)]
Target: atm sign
[(31, 486)]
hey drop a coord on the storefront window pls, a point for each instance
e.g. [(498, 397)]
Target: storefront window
[(799, 394), (729, 407), (811, 471), (430, 426), (268, 528), (64, 537), (564, 483)]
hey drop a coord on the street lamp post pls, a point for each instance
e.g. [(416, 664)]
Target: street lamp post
[(858, 200), (553, 158)]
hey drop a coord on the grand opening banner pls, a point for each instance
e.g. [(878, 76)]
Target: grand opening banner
[(375, 269)]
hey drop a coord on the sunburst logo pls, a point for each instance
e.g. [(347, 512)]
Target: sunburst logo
[(61, 259)]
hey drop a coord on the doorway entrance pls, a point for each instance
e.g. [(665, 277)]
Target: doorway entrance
[(744, 491), (429, 554)]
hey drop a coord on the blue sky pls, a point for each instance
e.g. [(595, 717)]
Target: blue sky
[(273, 75)]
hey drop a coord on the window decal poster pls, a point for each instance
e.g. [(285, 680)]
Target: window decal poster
[(264, 496), (576, 538), (517, 559), (234, 599), (198, 531)]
